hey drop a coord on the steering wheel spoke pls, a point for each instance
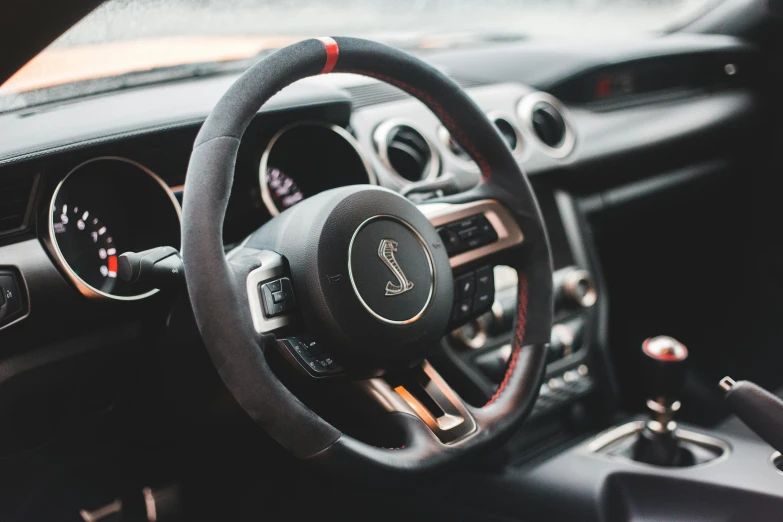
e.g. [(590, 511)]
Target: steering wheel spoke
[(423, 393), (270, 294), (475, 235)]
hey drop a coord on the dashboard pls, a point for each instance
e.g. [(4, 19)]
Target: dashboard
[(85, 181)]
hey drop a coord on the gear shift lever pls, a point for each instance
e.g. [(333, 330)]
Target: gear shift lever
[(657, 444)]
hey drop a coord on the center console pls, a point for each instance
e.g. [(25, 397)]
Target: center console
[(655, 469), (619, 468)]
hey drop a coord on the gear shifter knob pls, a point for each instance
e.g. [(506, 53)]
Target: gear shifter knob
[(666, 369), (658, 443)]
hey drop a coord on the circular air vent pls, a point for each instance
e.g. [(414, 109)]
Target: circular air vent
[(508, 130), (545, 117), (406, 152)]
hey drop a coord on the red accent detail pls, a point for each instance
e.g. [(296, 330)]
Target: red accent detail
[(440, 112), (519, 337), (603, 87), (332, 53), (112, 263), (663, 356)]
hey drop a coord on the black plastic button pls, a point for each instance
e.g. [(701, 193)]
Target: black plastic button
[(485, 280), (12, 300), (298, 348), (451, 240), (482, 302), (271, 309), (465, 224), (466, 234), (485, 290), (465, 286), (486, 230), (312, 355), (311, 346), (288, 292), (277, 296), (462, 310)]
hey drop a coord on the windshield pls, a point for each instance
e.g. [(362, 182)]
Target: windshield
[(123, 38)]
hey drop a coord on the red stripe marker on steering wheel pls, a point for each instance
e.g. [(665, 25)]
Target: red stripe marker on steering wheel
[(332, 53)]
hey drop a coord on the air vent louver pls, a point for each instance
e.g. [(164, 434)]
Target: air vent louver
[(15, 195), (548, 124), (508, 131), (409, 153)]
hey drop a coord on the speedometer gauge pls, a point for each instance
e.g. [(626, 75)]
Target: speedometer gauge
[(88, 244), (101, 209)]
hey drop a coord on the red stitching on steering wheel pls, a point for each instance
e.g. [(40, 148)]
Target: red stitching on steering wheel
[(519, 337)]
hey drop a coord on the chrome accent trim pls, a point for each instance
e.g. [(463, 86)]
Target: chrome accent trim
[(453, 426), (380, 390), (662, 347), (266, 197), (727, 383), (149, 505), (102, 513), (571, 285), (657, 407), (619, 433), (506, 227), (386, 250), (456, 423), (272, 266), (525, 114), (380, 139), (87, 290), (776, 457), (427, 253)]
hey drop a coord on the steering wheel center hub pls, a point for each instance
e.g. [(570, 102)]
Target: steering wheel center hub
[(369, 270), (391, 270)]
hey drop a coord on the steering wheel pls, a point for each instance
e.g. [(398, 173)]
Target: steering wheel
[(369, 274)]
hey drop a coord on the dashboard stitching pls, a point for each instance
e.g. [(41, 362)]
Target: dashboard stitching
[(519, 336), (444, 116)]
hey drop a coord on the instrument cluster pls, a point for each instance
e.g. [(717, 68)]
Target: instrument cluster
[(104, 207)]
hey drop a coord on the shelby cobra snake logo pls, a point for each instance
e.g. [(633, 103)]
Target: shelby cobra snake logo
[(386, 251)]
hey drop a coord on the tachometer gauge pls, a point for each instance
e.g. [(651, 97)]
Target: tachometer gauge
[(101, 209), (284, 191), (88, 244), (306, 158)]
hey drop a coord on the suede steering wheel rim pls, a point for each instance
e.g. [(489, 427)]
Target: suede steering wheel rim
[(219, 293)]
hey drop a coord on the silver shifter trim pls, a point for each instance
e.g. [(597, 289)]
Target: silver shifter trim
[(619, 433)]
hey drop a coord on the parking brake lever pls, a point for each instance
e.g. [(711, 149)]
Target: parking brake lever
[(761, 411)]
